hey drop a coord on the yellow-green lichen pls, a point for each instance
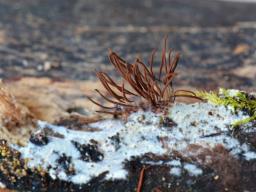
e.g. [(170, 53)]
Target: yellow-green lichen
[(12, 166), (237, 100)]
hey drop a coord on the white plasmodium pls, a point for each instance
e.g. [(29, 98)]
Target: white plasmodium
[(139, 135)]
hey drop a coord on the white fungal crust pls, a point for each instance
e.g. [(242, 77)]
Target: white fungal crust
[(193, 170), (107, 149)]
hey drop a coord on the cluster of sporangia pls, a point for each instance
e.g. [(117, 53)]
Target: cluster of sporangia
[(139, 80)]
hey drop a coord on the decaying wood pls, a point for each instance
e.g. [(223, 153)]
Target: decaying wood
[(25, 100), (14, 117)]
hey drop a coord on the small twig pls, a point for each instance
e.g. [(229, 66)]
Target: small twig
[(141, 178), (213, 134)]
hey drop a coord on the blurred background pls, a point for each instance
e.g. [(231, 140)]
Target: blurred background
[(69, 39)]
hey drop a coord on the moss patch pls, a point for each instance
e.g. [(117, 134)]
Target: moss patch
[(237, 100)]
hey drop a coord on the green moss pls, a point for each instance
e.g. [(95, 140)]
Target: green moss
[(211, 97), (244, 121), (237, 100)]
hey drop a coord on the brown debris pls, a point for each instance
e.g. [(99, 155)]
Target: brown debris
[(12, 113), (16, 120), (241, 48), (226, 167), (78, 122)]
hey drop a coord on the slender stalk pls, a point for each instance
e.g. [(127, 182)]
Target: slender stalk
[(155, 90)]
